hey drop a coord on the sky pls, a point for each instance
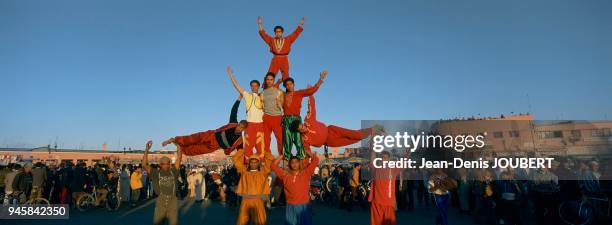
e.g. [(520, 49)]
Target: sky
[(84, 73)]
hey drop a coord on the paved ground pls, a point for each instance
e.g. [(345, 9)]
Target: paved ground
[(216, 214)]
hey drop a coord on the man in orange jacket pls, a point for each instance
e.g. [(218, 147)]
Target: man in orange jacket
[(253, 187)]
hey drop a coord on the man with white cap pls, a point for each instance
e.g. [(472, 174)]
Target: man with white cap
[(164, 182)]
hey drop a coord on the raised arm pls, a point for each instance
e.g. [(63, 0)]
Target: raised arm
[(145, 157), (234, 112), (269, 159), (291, 38), (262, 32), (311, 116), (179, 157), (279, 172), (313, 163), (234, 82), (312, 90), (238, 160)]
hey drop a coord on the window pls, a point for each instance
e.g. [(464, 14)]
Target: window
[(514, 133), (550, 134), (498, 134), (604, 132), (576, 133)]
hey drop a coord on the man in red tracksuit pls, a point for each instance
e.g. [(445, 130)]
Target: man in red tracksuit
[(315, 133), (227, 137), (280, 47)]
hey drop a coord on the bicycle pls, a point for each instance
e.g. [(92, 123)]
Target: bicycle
[(88, 201), (584, 212), (15, 198)]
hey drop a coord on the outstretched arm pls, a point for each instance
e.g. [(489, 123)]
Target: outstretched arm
[(234, 82), (313, 163), (179, 157), (238, 159), (234, 112), (262, 32), (291, 38), (311, 116), (145, 157), (312, 90)]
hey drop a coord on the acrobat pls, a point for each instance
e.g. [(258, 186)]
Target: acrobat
[(280, 47), (227, 137)]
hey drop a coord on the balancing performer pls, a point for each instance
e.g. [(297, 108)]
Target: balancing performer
[(296, 183), (382, 193), (272, 98), (254, 132), (315, 133), (252, 187), (227, 137), (292, 105), (280, 47)]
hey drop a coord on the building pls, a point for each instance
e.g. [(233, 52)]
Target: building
[(56, 156)]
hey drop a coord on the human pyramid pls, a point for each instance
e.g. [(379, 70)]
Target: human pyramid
[(270, 111)]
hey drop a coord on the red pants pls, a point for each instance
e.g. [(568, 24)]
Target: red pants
[(338, 136), (198, 143), (273, 124), (281, 63), (254, 137), (382, 214)]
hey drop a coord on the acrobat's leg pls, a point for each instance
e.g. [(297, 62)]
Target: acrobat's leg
[(338, 136)]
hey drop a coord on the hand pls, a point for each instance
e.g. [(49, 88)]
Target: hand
[(167, 142), (259, 20), (148, 145), (301, 22), (229, 71), (323, 75)]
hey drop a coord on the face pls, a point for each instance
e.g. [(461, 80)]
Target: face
[(294, 164), (164, 166), (27, 169), (302, 128), (278, 33), (269, 81), (289, 85), (239, 129), (385, 157), (254, 87), (253, 164)]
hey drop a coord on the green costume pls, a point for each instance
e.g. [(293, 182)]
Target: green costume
[(291, 138)]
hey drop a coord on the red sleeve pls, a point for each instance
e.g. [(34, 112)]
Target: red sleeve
[(312, 166), (311, 116), (308, 91), (291, 38), (278, 171), (265, 37)]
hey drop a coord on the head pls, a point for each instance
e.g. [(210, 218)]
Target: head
[(269, 80), (278, 31), (253, 163), (254, 86), (297, 126), (356, 165), (241, 126), (289, 84), (385, 156), (294, 163), (110, 174), (164, 163), (27, 167)]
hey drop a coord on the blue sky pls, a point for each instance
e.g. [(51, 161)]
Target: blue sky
[(89, 72)]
